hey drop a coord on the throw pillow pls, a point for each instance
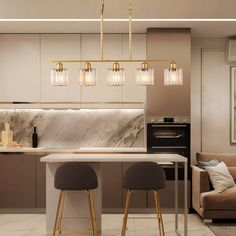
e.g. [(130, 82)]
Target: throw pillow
[(203, 164), (220, 177)]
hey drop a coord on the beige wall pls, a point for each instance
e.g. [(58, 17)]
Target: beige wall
[(210, 97), (169, 44)]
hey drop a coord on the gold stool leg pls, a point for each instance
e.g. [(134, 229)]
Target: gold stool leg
[(58, 208), (61, 212), (92, 213), (159, 215), (126, 212)]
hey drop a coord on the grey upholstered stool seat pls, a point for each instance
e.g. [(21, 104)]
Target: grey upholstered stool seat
[(145, 176), (75, 176)]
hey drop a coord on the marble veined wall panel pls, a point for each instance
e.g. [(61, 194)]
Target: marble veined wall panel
[(77, 128)]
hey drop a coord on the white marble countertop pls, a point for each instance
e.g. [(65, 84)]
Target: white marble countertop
[(113, 157), (71, 150)]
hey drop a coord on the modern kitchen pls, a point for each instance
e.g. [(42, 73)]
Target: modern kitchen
[(114, 116)]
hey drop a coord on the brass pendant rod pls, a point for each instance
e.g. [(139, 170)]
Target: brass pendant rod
[(130, 29), (101, 29), (113, 60)]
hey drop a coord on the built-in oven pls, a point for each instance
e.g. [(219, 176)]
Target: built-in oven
[(169, 138)]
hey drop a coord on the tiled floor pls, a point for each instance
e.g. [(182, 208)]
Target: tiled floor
[(34, 225)]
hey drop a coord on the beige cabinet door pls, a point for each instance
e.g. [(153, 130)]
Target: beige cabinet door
[(56, 47), (132, 93), (101, 95), (19, 67), (17, 181)]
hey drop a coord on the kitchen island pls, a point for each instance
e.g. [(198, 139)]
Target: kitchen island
[(76, 212)]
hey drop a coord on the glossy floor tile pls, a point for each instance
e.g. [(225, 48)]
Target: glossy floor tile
[(34, 225)]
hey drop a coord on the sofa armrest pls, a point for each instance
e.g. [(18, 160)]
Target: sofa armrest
[(200, 184)]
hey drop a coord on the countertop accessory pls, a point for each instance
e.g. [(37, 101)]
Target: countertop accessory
[(7, 136), (35, 138)]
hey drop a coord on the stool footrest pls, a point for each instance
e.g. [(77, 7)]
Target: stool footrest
[(79, 231)]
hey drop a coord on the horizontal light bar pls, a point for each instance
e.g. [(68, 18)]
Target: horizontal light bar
[(123, 20), (114, 60)]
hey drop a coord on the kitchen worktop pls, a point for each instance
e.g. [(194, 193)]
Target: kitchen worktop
[(113, 157), (72, 150)]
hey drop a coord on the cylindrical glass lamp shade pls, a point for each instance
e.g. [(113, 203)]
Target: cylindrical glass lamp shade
[(87, 77), (116, 75), (173, 76), (59, 77), (144, 77)]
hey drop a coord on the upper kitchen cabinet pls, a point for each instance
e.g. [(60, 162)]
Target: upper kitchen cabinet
[(20, 67), (101, 95), (60, 47), (133, 93)]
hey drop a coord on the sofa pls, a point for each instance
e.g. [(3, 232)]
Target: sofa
[(208, 203)]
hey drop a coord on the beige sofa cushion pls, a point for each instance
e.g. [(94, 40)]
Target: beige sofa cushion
[(219, 201), (232, 171), (228, 159)]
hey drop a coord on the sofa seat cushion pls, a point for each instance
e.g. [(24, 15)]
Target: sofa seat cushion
[(219, 201)]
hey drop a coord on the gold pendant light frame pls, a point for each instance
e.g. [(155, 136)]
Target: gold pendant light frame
[(144, 63)]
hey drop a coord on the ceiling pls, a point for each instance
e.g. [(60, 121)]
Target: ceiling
[(82, 16)]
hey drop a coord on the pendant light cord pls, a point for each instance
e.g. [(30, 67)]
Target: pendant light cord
[(101, 30), (130, 12)]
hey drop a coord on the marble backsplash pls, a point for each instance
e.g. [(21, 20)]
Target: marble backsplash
[(77, 128)]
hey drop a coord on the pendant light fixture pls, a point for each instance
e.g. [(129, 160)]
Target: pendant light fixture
[(116, 75), (144, 75), (87, 76), (173, 75), (59, 75)]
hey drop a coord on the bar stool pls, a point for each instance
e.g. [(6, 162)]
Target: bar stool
[(144, 176), (75, 177)]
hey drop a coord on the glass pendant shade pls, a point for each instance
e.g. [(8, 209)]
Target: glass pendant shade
[(144, 75), (87, 76), (173, 75), (116, 75), (59, 76)]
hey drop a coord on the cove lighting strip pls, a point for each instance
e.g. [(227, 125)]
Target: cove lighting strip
[(124, 20)]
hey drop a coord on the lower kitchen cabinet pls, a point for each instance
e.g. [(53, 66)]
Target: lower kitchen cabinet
[(112, 189), (17, 181), (40, 182), (113, 194), (167, 195), (22, 181)]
